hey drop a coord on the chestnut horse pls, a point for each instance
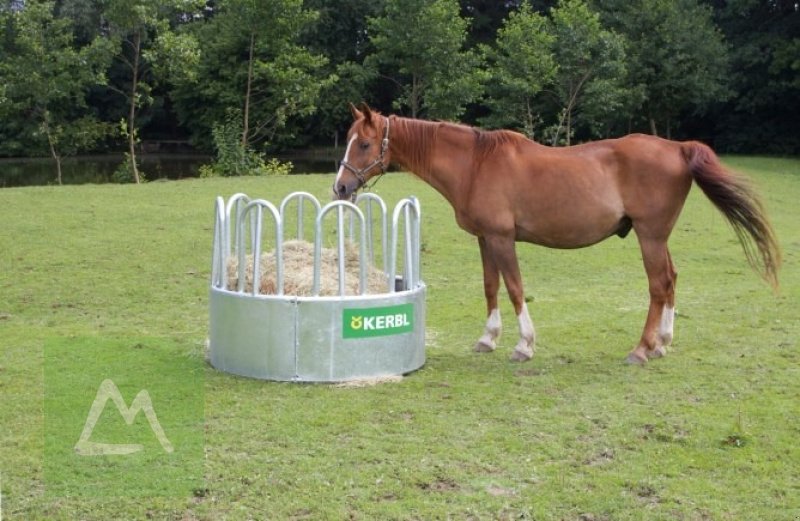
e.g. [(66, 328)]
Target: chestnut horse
[(506, 188)]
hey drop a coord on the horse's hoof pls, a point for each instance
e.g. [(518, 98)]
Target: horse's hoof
[(635, 358), (482, 346), (657, 352), (521, 356)]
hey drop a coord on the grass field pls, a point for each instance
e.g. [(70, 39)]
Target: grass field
[(709, 432)]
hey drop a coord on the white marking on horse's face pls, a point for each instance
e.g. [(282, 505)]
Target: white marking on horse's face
[(667, 325), (526, 330), (346, 159)]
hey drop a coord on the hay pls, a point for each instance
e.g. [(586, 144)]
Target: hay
[(298, 271), (358, 383)]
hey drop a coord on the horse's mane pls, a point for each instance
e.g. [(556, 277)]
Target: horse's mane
[(488, 141), (421, 135)]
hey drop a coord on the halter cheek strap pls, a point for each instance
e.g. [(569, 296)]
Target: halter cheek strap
[(362, 173)]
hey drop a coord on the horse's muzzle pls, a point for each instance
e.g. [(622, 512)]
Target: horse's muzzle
[(345, 191)]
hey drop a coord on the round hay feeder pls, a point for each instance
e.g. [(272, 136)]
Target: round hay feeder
[(329, 316)]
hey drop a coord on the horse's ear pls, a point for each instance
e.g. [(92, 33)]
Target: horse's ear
[(357, 114), (367, 112)]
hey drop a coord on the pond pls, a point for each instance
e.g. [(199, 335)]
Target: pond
[(99, 169)]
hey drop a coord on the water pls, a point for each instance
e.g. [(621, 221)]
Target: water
[(99, 169)]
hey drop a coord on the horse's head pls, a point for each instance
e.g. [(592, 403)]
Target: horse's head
[(367, 153)]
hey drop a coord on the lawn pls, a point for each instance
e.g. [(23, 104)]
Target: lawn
[(709, 432)]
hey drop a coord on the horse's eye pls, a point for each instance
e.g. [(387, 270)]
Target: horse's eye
[(364, 145)]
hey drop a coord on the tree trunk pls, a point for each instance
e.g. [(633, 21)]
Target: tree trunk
[(414, 96), (53, 152), (569, 125), (246, 116), (137, 48), (653, 129), (530, 119)]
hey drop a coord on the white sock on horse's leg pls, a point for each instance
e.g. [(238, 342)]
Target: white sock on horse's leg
[(527, 336), (665, 330), (487, 342)]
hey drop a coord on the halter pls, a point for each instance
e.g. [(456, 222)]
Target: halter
[(361, 174)]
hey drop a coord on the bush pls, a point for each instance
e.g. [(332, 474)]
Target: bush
[(235, 159), (124, 172)]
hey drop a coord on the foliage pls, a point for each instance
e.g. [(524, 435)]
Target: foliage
[(45, 81), (124, 173), (268, 76), (591, 68), (235, 159), (521, 64), (573, 434), (340, 34), (132, 24), (725, 72), (419, 46), (676, 57), (764, 46)]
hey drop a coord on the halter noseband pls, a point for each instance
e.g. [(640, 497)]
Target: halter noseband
[(361, 174)]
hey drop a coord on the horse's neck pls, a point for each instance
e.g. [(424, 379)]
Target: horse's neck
[(435, 153)]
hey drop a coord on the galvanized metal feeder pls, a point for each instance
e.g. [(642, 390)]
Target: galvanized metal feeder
[(317, 338)]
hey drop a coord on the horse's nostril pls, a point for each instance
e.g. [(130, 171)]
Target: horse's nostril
[(342, 189)]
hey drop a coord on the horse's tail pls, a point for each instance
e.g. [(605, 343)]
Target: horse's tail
[(734, 196)]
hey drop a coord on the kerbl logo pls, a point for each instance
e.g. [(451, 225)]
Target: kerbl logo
[(368, 322)]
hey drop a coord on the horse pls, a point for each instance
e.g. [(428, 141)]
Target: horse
[(505, 188)]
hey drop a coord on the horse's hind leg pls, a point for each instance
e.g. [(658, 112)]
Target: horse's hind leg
[(491, 284), (658, 327), (665, 330)]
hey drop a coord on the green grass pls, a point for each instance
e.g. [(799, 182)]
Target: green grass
[(710, 432)]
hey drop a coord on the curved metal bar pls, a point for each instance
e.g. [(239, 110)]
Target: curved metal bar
[(340, 207), (301, 197), (219, 247), (416, 229), (371, 199), (392, 273), (237, 201), (410, 209), (408, 264), (259, 205)]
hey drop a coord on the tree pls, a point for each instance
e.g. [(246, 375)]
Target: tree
[(764, 50), (591, 66), (340, 34), (46, 80), (521, 64), (419, 48), (675, 54), (253, 63), (487, 17), (141, 28)]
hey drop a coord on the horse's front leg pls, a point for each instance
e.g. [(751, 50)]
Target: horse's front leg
[(503, 252), (491, 283)]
